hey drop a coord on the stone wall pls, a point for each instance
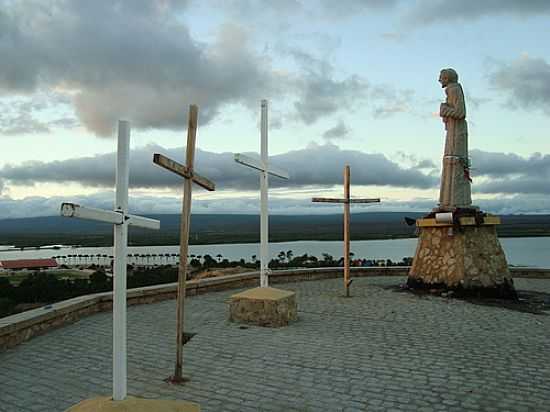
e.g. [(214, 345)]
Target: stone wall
[(23, 326), (469, 256)]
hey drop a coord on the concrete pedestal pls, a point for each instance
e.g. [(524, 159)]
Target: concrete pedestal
[(466, 256), (131, 404), (264, 307)]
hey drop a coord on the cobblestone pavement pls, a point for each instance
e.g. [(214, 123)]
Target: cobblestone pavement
[(379, 350)]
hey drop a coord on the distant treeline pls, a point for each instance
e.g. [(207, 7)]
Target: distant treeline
[(210, 229), (41, 288)]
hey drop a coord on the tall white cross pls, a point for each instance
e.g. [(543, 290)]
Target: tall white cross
[(121, 220), (265, 170)]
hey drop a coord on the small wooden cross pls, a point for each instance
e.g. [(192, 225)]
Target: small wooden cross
[(346, 201), (187, 172), (121, 219), (265, 169)]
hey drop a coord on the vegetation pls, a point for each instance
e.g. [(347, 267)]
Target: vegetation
[(19, 292)]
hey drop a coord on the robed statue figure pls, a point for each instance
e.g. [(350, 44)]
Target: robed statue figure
[(456, 189)]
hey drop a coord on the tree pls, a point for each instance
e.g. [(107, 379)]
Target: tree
[(289, 255)]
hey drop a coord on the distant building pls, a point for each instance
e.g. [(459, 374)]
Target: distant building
[(32, 264)]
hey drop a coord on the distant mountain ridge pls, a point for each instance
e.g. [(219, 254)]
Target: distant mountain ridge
[(233, 228)]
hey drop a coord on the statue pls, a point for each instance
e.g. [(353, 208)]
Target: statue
[(456, 189)]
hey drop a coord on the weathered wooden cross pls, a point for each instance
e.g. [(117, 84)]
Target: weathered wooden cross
[(121, 220), (187, 172), (346, 201), (265, 170)]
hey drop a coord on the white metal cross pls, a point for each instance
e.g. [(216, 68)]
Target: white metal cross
[(121, 220), (265, 170)]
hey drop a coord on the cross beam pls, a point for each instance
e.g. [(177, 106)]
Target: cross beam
[(190, 176), (346, 201), (121, 220), (183, 171), (107, 216), (265, 170)]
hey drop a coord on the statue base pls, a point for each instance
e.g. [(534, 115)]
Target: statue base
[(131, 404), (464, 256), (268, 307)]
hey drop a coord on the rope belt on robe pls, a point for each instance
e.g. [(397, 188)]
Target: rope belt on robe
[(465, 165)]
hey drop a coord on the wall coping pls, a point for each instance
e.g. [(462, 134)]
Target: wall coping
[(31, 323)]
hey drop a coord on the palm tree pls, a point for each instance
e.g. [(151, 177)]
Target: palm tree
[(289, 255)]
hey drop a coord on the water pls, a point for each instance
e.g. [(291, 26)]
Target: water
[(519, 251)]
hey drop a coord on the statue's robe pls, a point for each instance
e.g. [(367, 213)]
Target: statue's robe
[(456, 189)]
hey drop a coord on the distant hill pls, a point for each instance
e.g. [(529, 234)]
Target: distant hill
[(230, 228)]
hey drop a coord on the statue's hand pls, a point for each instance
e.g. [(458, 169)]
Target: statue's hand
[(442, 109)]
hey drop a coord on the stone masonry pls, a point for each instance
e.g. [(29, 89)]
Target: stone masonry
[(467, 256), (264, 307)]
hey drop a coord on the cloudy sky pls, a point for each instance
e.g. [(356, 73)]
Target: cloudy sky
[(348, 82)]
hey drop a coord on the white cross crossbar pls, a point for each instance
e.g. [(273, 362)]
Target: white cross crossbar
[(121, 220), (107, 216), (258, 165)]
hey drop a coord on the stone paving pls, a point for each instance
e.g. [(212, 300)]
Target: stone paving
[(380, 350)]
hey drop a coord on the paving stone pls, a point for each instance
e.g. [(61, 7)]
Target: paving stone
[(377, 351)]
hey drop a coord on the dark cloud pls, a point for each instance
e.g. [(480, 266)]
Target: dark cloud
[(510, 173), (526, 81), (494, 164), (433, 11), (320, 93), (314, 166), (130, 59), (339, 131)]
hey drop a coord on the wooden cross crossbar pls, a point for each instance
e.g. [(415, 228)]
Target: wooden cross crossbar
[(346, 201), (183, 171)]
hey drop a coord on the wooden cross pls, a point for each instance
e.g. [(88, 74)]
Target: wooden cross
[(346, 201), (188, 173), (121, 220), (265, 170)]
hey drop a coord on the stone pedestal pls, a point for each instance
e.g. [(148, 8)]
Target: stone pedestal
[(264, 307), (465, 256), (131, 404)]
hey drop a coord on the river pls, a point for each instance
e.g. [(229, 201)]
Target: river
[(519, 251)]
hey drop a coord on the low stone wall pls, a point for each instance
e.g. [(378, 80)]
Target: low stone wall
[(23, 326)]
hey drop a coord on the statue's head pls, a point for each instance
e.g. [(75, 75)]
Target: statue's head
[(447, 76)]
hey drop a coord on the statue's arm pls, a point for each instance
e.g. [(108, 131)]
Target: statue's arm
[(455, 107)]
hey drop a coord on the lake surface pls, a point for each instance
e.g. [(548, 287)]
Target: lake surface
[(519, 251)]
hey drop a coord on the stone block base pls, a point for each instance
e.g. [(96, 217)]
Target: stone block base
[(463, 258), (131, 404), (264, 307)]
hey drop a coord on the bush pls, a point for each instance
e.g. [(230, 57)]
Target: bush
[(7, 307)]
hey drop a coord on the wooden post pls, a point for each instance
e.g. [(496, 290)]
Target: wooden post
[(346, 230), (190, 176), (184, 241), (346, 201)]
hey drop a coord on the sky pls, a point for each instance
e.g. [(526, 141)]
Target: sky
[(348, 82)]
